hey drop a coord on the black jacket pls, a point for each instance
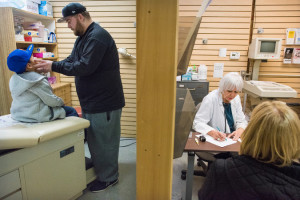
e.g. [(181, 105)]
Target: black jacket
[(244, 178), (94, 62)]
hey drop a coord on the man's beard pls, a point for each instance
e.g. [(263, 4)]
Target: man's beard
[(79, 30)]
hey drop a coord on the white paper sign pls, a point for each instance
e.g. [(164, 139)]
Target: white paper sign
[(222, 52), (218, 70)]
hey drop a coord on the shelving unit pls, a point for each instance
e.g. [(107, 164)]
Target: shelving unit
[(8, 44)]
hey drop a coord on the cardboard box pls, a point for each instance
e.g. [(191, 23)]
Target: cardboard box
[(43, 55), (39, 50), (38, 55), (28, 38), (31, 33), (36, 1), (28, 5)]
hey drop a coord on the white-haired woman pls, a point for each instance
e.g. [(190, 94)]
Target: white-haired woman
[(220, 114)]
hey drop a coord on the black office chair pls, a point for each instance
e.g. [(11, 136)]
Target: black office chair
[(202, 158)]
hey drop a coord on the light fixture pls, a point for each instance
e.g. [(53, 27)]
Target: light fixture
[(123, 52)]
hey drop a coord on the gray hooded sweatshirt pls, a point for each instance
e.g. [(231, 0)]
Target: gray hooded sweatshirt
[(33, 99)]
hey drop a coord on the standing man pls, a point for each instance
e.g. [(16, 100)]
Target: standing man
[(94, 62)]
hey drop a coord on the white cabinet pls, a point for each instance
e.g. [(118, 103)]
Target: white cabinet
[(54, 169)]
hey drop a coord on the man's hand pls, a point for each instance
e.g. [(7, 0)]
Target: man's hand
[(236, 134), (36, 60), (43, 66), (217, 135)]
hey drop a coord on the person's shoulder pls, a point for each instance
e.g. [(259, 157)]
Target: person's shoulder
[(237, 98), (211, 96), (33, 76), (98, 33), (212, 93)]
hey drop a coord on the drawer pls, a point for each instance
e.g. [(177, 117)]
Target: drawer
[(9, 183), (15, 196), (198, 89)]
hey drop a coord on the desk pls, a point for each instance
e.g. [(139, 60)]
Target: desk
[(191, 147)]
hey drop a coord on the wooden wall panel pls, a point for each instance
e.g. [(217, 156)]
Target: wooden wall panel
[(226, 24), (118, 18), (275, 16)]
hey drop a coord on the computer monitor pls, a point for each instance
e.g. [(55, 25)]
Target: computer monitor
[(265, 48)]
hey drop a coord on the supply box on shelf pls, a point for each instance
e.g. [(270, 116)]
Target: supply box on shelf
[(28, 5)]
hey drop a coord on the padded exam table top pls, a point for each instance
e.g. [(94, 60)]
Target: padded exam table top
[(14, 134)]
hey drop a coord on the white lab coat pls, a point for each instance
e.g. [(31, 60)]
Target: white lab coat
[(211, 114)]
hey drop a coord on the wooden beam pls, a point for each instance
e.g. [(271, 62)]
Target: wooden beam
[(156, 91), (8, 44)]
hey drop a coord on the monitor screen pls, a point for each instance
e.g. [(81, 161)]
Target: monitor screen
[(267, 46)]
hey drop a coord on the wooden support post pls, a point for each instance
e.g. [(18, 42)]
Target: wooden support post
[(156, 92)]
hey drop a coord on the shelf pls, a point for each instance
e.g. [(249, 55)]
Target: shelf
[(43, 43), (51, 58), (24, 13)]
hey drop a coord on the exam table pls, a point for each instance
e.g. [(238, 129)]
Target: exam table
[(42, 160)]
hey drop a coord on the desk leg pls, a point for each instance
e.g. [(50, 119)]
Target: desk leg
[(189, 176)]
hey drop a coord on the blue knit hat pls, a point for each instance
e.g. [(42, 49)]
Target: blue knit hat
[(18, 59)]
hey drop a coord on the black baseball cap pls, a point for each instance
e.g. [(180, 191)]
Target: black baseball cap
[(71, 9)]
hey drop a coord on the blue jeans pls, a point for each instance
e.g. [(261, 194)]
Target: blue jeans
[(70, 111)]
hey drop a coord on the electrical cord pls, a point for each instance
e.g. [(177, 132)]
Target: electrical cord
[(127, 139)]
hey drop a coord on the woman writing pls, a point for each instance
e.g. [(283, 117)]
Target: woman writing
[(220, 113)]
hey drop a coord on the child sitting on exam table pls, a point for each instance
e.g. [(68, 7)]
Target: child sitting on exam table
[(33, 99)]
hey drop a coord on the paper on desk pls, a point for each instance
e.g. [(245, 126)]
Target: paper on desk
[(224, 143)]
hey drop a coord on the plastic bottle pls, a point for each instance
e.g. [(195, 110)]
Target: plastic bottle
[(194, 69), (202, 72)]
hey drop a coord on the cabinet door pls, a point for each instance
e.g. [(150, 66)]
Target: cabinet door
[(59, 175)]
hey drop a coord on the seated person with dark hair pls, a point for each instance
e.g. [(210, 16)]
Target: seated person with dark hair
[(267, 165), (33, 99)]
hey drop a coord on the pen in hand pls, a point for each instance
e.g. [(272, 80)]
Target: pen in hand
[(220, 131)]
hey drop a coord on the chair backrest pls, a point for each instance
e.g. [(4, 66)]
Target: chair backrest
[(197, 107), (196, 110)]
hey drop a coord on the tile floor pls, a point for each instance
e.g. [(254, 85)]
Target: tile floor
[(126, 190)]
